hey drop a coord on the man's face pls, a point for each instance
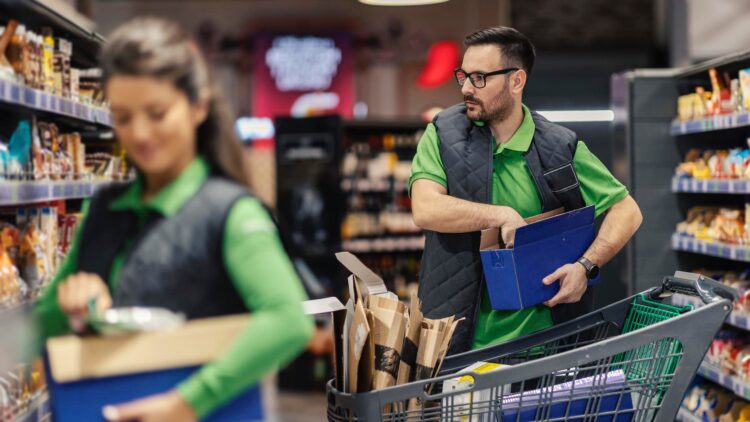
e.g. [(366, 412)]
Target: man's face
[(494, 102)]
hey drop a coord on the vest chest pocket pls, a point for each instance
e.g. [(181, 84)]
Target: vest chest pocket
[(562, 179)]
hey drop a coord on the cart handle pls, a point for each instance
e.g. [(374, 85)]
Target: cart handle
[(707, 289)]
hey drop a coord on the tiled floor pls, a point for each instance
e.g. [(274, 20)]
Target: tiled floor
[(301, 407)]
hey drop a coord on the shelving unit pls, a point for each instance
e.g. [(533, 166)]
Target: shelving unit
[(374, 194), (393, 244), (39, 410), (735, 319), (710, 124), (649, 145), (716, 249), (718, 186), (19, 193), (710, 372), (18, 101), (13, 94)]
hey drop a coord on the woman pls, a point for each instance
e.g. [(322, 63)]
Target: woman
[(186, 235)]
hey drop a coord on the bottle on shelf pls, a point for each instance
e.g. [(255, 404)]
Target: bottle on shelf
[(720, 96)]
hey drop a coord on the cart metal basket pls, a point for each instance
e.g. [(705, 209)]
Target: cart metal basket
[(632, 360)]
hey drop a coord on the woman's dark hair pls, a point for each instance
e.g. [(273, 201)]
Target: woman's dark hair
[(159, 48), (516, 48)]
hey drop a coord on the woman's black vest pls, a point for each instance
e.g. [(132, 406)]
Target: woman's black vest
[(174, 262)]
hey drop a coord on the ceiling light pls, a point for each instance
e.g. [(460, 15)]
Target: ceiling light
[(401, 2), (578, 115)]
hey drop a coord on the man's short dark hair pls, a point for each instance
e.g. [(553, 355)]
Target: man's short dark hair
[(515, 46)]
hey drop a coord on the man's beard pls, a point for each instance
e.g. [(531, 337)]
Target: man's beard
[(497, 111)]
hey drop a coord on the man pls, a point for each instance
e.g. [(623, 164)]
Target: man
[(490, 162)]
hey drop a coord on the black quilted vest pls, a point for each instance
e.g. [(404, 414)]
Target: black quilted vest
[(174, 262), (451, 277)]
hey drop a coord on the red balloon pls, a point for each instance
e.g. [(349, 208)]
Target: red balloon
[(442, 59)]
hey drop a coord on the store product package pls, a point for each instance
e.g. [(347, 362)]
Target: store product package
[(462, 405), (87, 373), (573, 398), (411, 341), (387, 334), (514, 276), (396, 333)]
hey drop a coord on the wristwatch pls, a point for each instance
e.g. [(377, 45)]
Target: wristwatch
[(592, 270)]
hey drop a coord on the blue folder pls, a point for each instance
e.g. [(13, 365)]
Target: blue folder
[(514, 276)]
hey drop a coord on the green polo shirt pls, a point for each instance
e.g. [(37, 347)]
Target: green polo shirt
[(257, 265), (513, 186)]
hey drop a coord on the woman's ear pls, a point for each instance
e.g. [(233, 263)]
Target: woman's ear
[(201, 107)]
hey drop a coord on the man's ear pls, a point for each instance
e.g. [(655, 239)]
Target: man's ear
[(518, 81)]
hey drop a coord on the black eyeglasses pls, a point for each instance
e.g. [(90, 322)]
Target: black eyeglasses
[(478, 79)]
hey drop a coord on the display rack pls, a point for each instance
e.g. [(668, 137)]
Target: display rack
[(20, 193), (739, 387), (15, 95), (718, 186), (685, 243), (649, 145), (736, 319), (391, 253), (710, 124), (39, 410), (17, 100)]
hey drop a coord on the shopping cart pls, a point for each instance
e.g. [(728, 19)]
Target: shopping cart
[(632, 360)]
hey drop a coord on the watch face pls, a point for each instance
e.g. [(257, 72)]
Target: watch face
[(593, 272)]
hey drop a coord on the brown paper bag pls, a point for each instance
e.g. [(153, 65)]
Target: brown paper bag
[(411, 342), (358, 338), (387, 332), (429, 347), (366, 367)]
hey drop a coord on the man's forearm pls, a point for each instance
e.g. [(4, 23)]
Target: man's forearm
[(448, 214), (619, 225)]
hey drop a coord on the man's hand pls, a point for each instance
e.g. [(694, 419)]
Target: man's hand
[(573, 284), (511, 221), (167, 407)]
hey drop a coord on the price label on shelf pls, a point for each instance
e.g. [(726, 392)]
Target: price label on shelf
[(15, 93), (57, 191)]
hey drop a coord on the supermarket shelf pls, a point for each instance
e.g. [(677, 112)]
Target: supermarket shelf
[(735, 318), (713, 374), (710, 124), (367, 185), (18, 193), (690, 185), (385, 244), (684, 415), (15, 94), (39, 410), (721, 250)]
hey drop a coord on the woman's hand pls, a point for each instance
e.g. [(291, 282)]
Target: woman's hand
[(74, 294), (167, 407)]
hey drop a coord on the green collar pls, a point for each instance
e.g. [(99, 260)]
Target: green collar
[(170, 199), (521, 140)]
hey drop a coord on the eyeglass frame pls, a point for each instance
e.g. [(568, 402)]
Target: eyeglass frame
[(484, 75)]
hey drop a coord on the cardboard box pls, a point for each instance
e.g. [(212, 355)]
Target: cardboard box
[(514, 276), (87, 373)]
